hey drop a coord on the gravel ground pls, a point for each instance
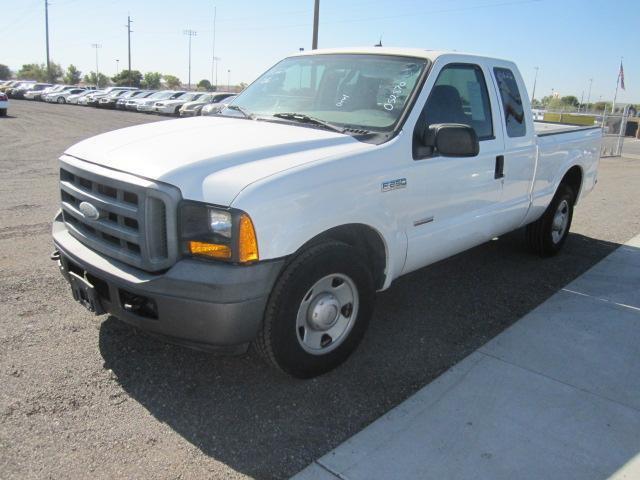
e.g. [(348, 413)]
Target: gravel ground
[(85, 395)]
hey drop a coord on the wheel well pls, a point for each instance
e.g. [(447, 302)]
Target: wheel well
[(366, 240), (573, 178)]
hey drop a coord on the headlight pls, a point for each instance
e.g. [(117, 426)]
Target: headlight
[(217, 233)]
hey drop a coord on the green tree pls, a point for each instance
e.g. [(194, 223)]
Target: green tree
[(204, 84), (38, 72), (151, 80), (122, 79), (5, 72), (73, 75), (172, 81), (99, 81), (570, 101)]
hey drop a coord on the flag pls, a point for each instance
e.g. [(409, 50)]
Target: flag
[(621, 76)]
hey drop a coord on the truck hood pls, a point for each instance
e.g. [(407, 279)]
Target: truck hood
[(212, 159)]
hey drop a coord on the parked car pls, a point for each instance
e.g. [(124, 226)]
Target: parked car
[(32, 91), (63, 95), (277, 221), (123, 99), (194, 108), (16, 91), (75, 98), (92, 100), (109, 101), (148, 104), (4, 104), (8, 85), (54, 94), (132, 103), (215, 108), (172, 106)]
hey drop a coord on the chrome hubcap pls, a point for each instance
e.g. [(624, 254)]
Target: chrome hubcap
[(560, 221), (327, 313)]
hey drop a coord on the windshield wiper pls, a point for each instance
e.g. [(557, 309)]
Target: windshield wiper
[(302, 118), (243, 111)]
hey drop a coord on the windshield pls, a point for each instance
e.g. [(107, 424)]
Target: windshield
[(349, 90)]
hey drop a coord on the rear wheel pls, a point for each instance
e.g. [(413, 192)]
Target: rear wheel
[(547, 235), (318, 311), (61, 100), (3, 112)]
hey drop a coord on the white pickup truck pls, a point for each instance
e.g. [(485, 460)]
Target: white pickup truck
[(333, 174)]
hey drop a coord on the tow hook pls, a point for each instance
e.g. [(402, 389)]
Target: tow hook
[(55, 256)]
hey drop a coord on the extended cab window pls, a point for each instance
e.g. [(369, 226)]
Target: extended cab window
[(460, 96), (511, 101)]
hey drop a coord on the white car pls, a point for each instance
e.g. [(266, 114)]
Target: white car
[(172, 106), (215, 108), (277, 221), (35, 91), (147, 105), (194, 108), (54, 95), (75, 97), (62, 96), (4, 104)]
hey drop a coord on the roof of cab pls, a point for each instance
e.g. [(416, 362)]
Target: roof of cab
[(405, 52)]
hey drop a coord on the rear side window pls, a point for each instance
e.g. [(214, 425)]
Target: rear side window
[(460, 96), (511, 101)]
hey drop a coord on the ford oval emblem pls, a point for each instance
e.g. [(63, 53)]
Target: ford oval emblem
[(89, 211)]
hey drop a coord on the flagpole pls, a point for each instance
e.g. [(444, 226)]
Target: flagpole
[(615, 96)]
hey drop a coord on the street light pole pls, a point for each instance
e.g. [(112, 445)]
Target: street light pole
[(316, 17), (117, 66), (97, 46), (190, 34), (589, 94), (46, 26), (535, 80), (229, 80)]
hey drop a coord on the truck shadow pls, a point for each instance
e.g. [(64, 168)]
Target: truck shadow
[(265, 425)]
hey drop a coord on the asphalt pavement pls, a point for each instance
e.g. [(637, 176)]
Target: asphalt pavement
[(87, 395)]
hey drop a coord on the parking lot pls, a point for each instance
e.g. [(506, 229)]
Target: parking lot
[(89, 395)]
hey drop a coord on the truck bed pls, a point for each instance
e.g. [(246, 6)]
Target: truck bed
[(552, 128)]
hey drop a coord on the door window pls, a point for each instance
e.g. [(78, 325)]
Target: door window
[(512, 102), (460, 96)]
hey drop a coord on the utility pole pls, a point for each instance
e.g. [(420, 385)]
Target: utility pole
[(97, 46), (117, 66), (213, 51), (589, 94), (46, 28), (615, 96), (190, 34), (535, 80), (229, 80), (316, 15), (128, 25)]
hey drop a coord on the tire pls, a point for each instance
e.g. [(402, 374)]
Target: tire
[(546, 236), (61, 100), (307, 285), (3, 112)]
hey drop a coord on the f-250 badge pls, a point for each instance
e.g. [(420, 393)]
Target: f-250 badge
[(394, 184)]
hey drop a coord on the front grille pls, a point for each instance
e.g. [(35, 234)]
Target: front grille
[(137, 217)]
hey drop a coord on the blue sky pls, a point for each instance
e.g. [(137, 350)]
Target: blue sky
[(569, 40)]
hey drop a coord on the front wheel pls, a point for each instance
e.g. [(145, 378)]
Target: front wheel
[(61, 100), (318, 310), (3, 112), (547, 235)]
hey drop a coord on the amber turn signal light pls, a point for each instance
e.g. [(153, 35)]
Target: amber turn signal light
[(247, 241), (211, 250)]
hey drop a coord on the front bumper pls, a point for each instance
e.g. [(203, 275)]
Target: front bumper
[(165, 109), (189, 113), (145, 108), (201, 304)]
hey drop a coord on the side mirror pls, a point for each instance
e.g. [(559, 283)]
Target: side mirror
[(451, 140)]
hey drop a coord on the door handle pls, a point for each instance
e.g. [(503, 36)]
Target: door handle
[(499, 167)]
